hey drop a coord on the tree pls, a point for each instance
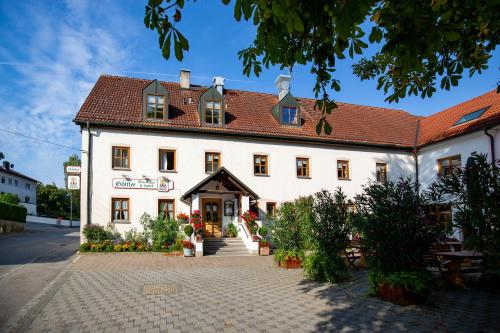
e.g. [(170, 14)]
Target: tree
[(9, 198), (419, 42), (52, 200)]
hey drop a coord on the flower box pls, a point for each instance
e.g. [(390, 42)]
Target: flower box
[(399, 295), (264, 250), (292, 263)]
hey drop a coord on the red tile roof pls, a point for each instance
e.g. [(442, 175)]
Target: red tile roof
[(439, 126), (117, 101)]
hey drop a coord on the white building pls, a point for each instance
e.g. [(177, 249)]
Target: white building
[(155, 146), (16, 183)]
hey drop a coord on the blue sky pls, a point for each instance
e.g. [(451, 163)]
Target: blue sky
[(52, 52)]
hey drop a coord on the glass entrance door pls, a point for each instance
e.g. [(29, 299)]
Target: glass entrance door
[(212, 217)]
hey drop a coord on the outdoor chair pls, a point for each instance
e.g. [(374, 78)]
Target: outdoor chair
[(353, 253)]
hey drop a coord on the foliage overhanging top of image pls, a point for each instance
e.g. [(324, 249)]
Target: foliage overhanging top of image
[(419, 42)]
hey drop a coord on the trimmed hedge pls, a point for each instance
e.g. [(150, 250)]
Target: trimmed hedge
[(12, 212)]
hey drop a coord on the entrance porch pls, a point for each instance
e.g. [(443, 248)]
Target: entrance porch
[(221, 198)]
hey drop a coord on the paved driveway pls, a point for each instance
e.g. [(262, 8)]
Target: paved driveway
[(29, 261), (154, 293)]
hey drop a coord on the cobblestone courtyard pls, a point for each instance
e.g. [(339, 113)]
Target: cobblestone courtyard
[(107, 293)]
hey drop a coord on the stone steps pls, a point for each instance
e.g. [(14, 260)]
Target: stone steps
[(225, 247)]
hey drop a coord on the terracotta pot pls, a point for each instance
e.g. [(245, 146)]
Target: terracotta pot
[(291, 263), (399, 295), (264, 250)]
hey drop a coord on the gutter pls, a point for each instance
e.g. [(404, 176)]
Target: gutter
[(271, 137), (89, 176), (492, 144)]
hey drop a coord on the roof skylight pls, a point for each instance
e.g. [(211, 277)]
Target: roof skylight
[(471, 116)]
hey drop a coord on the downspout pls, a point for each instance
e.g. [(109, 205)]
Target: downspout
[(415, 155), (492, 145), (89, 175)]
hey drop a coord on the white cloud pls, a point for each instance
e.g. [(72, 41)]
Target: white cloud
[(64, 56)]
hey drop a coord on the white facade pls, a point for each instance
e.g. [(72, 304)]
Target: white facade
[(280, 185), (24, 188), (464, 146)]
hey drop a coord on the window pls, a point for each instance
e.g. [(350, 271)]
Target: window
[(120, 209), (343, 169), (3, 180), (271, 209), (471, 116), (381, 172), (10, 181), (213, 113), (212, 162), (167, 160), (121, 157), (167, 207), (27, 199), (156, 107), (448, 164), (16, 182), (260, 165), (28, 186), (289, 115), (302, 167), (254, 208)]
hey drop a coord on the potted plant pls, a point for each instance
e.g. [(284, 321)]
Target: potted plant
[(288, 259), (197, 224), (183, 218), (188, 248), (231, 230), (188, 230), (264, 247)]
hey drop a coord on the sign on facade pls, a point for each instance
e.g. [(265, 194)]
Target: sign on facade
[(73, 169), (160, 184), (73, 182)]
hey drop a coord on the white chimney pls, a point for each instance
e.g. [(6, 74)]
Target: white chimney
[(218, 82), (282, 82), (185, 78)]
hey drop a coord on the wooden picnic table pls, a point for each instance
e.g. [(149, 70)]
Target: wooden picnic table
[(454, 245), (455, 260)]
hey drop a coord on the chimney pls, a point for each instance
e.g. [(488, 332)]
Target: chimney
[(185, 78), (282, 82), (218, 82), (6, 165)]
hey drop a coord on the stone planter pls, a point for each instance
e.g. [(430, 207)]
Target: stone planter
[(291, 263), (188, 252), (264, 250), (399, 295)]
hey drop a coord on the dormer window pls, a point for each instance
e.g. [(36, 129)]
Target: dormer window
[(156, 107), (155, 102), (289, 115), (213, 113)]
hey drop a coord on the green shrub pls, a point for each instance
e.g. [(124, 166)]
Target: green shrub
[(415, 281), (177, 246), (232, 231), (477, 189), (133, 236), (263, 231), (95, 233), (287, 228), (9, 198), (396, 232), (188, 230), (84, 247), (13, 212), (131, 247), (159, 231), (329, 236)]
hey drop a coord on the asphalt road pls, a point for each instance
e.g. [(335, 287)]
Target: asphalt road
[(30, 260)]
